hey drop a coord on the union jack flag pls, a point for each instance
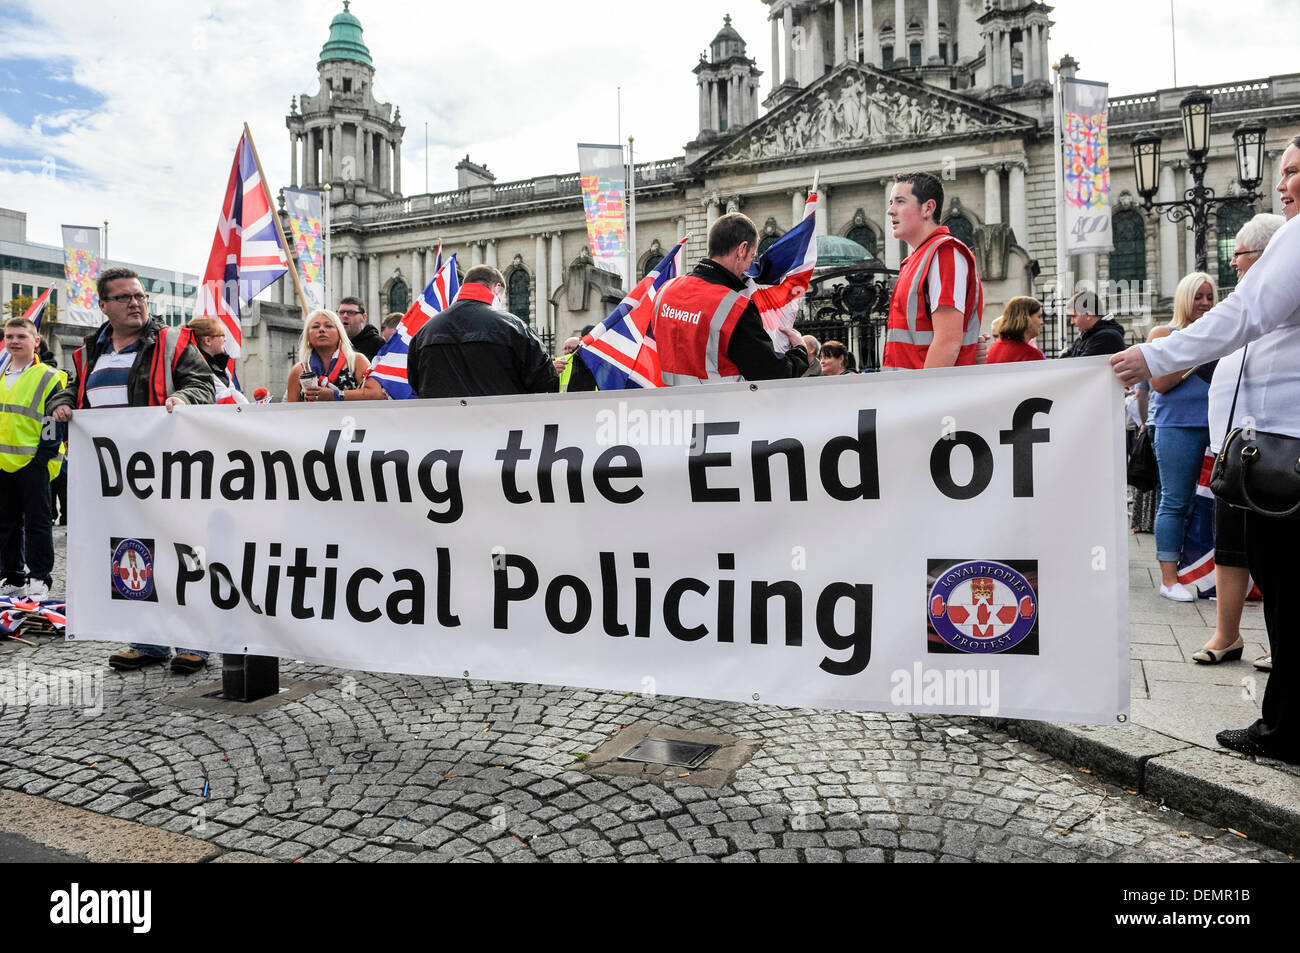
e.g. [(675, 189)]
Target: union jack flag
[(390, 363), (780, 278), (621, 350), (247, 254)]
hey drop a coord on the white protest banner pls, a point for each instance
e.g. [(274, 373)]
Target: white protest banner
[(926, 541)]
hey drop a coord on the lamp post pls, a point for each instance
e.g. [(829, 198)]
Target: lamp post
[(1248, 141)]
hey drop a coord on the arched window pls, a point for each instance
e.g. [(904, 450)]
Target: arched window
[(1228, 222), (1128, 261), (650, 262), (961, 227), (914, 54), (520, 294), (767, 243), (865, 236), (399, 296)]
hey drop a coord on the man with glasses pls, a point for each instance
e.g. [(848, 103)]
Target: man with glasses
[(133, 360), (365, 338), (476, 348)]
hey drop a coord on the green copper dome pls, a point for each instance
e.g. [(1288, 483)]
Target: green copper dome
[(345, 41)]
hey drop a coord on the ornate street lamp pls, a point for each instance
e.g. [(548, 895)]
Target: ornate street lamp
[(1248, 143)]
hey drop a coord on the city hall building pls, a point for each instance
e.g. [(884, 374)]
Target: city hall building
[(859, 90)]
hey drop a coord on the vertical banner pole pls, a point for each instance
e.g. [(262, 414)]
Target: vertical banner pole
[(1058, 146)]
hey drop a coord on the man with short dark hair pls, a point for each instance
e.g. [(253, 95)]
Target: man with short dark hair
[(365, 338), (1096, 335), (707, 330), (476, 348), (133, 360), (389, 327), (937, 304)]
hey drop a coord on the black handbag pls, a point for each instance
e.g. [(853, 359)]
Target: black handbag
[(1143, 474), (1258, 471)]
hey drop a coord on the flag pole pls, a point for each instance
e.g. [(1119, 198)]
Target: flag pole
[(275, 217), (326, 285), (1063, 282)]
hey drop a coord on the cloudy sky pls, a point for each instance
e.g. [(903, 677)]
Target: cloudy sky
[(129, 111)]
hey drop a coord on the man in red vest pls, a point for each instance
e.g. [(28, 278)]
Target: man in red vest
[(706, 328), (935, 310)]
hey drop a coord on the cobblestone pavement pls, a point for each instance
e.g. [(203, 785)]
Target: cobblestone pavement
[(397, 768)]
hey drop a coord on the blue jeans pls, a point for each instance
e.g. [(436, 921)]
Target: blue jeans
[(1179, 452), (161, 651)]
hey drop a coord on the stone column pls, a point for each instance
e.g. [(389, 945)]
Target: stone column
[(475, 252), (491, 258), (788, 17), (417, 280), (397, 166), (327, 155), (733, 103), (839, 32), (1005, 57), (900, 32), (352, 286), (704, 99), (872, 38), (823, 224), (710, 215), (385, 172), (1042, 68), (336, 152), (893, 258), (376, 307), (1189, 237), (1271, 159), (1019, 210), (1031, 54), (990, 59), (557, 260), (293, 159), (797, 199), (776, 54), (715, 122), (430, 262), (992, 194), (1168, 241), (1088, 272), (541, 318), (932, 31)]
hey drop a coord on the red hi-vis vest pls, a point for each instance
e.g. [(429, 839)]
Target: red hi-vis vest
[(693, 322), (910, 330), (167, 352)]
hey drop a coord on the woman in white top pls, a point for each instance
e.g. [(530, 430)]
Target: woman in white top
[(1265, 309)]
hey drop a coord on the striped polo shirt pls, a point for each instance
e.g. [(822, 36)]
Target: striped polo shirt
[(106, 385)]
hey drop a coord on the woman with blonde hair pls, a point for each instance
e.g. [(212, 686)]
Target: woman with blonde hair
[(1180, 403), (328, 367), (1020, 323)]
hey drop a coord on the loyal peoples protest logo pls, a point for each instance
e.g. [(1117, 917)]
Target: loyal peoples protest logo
[(983, 607), (132, 569)]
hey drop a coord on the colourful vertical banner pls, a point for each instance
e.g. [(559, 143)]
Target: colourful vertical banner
[(1086, 172), (304, 208), (81, 269), (604, 199)]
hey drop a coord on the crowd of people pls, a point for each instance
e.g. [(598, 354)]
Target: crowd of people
[(708, 329)]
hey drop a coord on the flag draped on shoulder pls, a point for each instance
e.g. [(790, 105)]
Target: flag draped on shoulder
[(390, 363), (247, 254), (780, 278), (621, 351)]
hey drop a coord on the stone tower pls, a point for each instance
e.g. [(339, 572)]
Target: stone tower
[(728, 85), (342, 136)]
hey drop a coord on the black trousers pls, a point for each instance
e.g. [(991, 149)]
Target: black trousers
[(1274, 561), (59, 488), (25, 524)]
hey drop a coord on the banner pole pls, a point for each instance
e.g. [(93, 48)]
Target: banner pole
[(326, 189), (275, 217), (631, 217), (1061, 257)]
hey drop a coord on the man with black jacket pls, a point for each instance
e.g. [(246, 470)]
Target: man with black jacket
[(706, 327), (477, 349), (365, 337), (1096, 335)]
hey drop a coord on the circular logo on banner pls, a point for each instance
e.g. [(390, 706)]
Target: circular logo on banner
[(133, 570), (982, 607)]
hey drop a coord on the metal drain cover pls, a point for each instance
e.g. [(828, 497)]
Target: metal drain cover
[(686, 754)]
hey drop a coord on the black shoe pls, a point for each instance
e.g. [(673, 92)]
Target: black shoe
[(187, 663), (131, 659)]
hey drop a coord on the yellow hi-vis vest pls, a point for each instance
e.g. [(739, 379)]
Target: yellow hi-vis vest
[(22, 414)]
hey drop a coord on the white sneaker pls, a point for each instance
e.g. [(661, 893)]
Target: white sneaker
[(1178, 592), (38, 591), (8, 591)]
